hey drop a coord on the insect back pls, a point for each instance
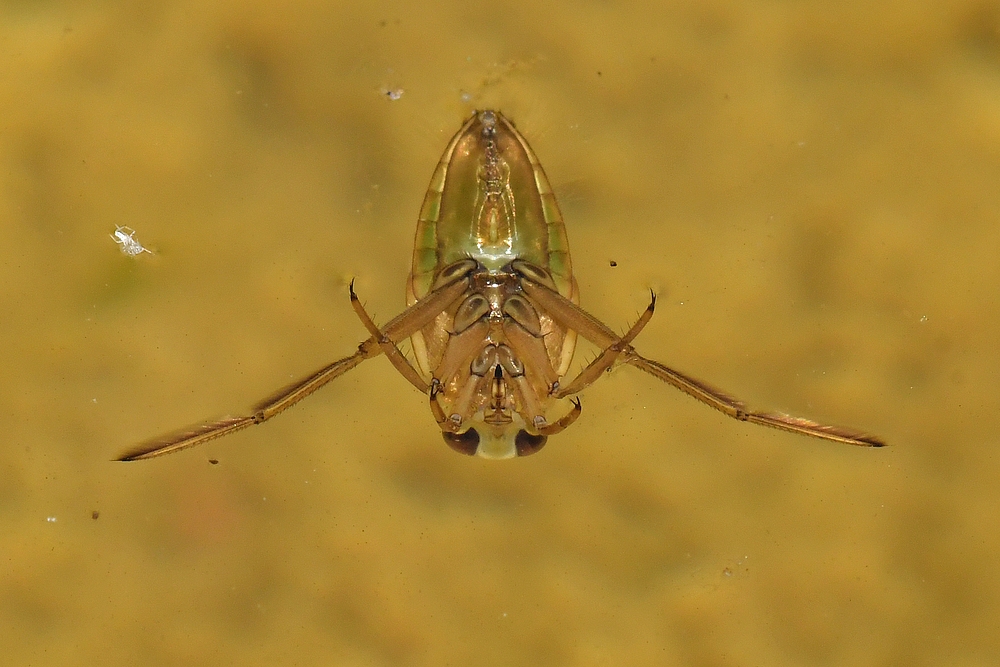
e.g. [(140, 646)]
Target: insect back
[(489, 200), (494, 356)]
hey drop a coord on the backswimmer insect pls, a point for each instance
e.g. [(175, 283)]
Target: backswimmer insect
[(493, 315)]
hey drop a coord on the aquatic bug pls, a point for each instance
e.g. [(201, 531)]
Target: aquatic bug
[(127, 243), (493, 315)]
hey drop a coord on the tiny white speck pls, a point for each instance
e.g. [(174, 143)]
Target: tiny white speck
[(127, 243), (393, 93), (923, 318), (50, 519)]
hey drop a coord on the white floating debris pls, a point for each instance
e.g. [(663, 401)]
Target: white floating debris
[(50, 519), (393, 93), (125, 238)]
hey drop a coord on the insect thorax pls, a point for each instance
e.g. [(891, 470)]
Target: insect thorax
[(494, 357)]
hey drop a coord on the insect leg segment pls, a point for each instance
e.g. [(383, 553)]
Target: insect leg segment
[(269, 407), (450, 285), (398, 328), (572, 317), (389, 349), (564, 421), (608, 357), (514, 369), (454, 283), (468, 390), (461, 350), (530, 348), (187, 438), (447, 424), (736, 409), (568, 313), (288, 396)]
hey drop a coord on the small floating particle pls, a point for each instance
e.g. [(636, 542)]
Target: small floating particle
[(127, 243), (214, 462), (95, 514), (50, 519), (614, 263), (393, 93)]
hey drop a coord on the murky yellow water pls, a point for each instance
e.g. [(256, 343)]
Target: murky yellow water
[(812, 191)]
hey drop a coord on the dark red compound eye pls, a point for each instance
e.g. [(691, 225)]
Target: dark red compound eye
[(463, 443), (525, 443)]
